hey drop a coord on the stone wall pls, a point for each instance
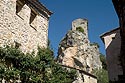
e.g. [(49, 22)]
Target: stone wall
[(112, 41), (16, 27), (84, 78)]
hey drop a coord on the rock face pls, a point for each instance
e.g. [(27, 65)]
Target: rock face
[(75, 49), (22, 22)]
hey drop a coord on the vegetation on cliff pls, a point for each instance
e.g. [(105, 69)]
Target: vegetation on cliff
[(31, 68), (80, 29), (102, 74), (103, 60)]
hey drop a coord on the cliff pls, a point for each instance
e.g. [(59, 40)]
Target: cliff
[(75, 49)]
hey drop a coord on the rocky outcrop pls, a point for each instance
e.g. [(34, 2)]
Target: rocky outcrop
[(75, 49)]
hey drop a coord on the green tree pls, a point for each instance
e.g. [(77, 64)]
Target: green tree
[(103, 60), (31, 68), (102, 75)]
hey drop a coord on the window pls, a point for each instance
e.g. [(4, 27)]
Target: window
[(32, 17), (19, 5), (17, 45), (113, 38), (82, 23)]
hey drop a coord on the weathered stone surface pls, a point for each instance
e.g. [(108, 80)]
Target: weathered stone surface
[(75, 50), (76, 47), (68, 58), (16, 27), (81, 23), (83, 78)]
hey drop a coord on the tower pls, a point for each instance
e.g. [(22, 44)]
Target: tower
[(83, 23)]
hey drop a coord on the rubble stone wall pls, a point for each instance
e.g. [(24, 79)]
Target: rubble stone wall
[(16, 27)]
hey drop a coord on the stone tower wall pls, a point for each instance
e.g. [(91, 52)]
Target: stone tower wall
[(81, 23), (16, 27)]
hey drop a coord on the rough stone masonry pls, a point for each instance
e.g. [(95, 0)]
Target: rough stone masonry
[(24, 22), (75, 50)]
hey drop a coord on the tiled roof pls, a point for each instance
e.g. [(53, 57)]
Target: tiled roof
[(38, 6), (109, 32)]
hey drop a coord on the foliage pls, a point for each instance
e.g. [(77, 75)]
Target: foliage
[(102, 75), (103, 60), (96, 44), (80, 29), (31, 68)]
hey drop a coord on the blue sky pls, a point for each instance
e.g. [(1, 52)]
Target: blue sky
[(100, 14)]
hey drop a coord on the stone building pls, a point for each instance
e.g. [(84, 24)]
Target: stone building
[(112, 41), (76, 51), (24, 22), (120, 10)]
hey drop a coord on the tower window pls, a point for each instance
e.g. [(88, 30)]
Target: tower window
[(82, 23)]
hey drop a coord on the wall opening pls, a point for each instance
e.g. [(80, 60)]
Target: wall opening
[(19, 5), (33, 15)]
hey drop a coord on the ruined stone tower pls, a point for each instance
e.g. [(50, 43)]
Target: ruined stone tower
[(76, 51), (83, 23), (24, 22)]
